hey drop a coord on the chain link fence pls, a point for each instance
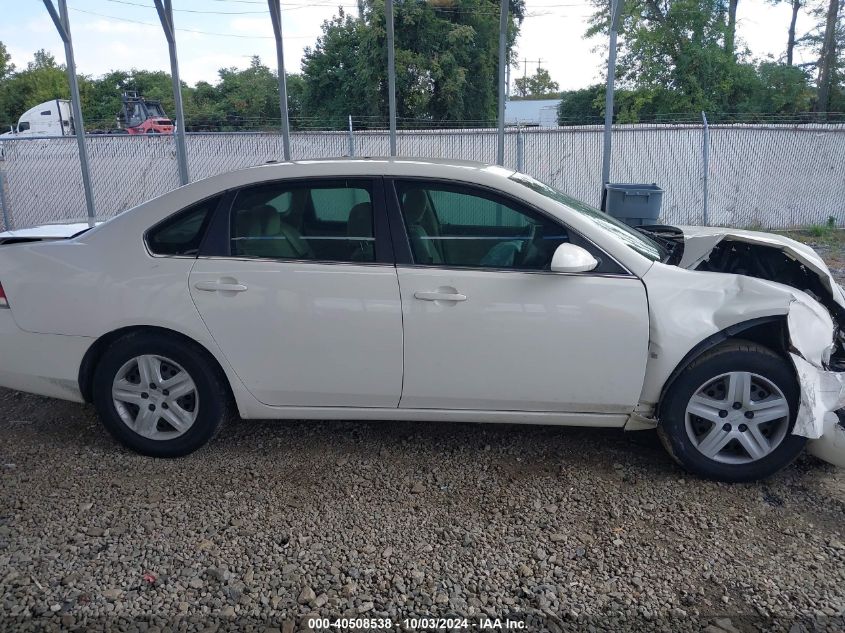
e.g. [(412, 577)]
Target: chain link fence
[(772, 176)]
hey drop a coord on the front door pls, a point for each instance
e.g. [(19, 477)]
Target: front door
[(489, 327), (305, 304)]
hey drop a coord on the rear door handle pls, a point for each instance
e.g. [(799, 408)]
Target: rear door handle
[(217, 286), (440, 296)]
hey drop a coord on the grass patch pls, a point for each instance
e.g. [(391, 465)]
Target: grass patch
[(823, 231)]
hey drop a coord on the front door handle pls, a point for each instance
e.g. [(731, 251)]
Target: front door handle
[(219, 286), (440, 296)]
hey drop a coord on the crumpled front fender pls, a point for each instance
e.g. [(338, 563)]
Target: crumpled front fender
[(688, 306)]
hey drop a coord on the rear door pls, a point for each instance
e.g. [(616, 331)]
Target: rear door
[(297, 285)]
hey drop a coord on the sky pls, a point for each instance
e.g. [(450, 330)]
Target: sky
[(124, 34)]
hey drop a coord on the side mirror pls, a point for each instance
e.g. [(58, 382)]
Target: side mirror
[(569, 258)]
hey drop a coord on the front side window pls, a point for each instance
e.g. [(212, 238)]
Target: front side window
[(182, 233), (460, 226), (328, 221)]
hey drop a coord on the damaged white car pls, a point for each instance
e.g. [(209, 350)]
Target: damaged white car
[(426, 290)]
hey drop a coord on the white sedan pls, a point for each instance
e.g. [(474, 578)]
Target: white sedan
[(426, 290)]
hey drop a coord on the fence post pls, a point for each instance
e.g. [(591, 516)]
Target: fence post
[(503, 36), (7, 221), (520, 149), (705, 161), (351, 138)]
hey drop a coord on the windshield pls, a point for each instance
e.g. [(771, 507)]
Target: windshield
[(642, 244), (154, 109)]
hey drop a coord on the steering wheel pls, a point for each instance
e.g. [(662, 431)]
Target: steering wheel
[(529, 248)]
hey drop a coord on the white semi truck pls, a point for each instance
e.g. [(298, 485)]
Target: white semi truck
[(51, 118)]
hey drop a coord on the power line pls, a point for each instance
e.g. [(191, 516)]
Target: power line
[(146, 6), (251, 37)]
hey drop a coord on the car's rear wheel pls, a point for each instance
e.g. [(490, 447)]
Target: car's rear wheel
[(158, 395), (729, 415)]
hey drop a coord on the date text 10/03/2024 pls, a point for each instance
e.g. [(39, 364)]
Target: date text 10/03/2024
[(370, 624)]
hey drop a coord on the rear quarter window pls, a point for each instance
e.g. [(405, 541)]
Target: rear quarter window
[(181, 234)]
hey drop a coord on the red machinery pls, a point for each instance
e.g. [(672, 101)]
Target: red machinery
[(141, 116)]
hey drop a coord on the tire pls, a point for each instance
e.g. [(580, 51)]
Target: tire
[(754, 447), (135, 415)]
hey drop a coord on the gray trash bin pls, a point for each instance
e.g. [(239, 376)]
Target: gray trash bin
[(634, 204)]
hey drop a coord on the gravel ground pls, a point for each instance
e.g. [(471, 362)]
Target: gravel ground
[(274, 521), (554, 528)]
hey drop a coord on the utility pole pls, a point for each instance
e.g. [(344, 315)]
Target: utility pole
[(62, 23), (526, 61)]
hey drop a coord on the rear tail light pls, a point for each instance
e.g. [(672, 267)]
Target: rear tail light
[(4, 302)]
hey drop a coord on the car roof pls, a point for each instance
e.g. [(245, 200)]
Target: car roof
[(393, 166)]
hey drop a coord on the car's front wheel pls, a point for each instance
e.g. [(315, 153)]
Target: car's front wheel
[(729, 415), (158, 395)]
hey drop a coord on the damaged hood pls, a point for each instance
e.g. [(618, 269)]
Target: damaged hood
[(699, 242)]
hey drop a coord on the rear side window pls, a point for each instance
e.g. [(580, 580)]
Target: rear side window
[(324, 221), (182, 233), (333, 204)]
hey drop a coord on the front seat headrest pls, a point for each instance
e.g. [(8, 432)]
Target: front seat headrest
[(360, 222), (414, 205), (271, 219)]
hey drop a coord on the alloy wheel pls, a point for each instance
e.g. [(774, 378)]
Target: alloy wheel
[(737, 418), (155, 397)]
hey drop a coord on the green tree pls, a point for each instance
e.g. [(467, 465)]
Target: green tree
[(830, 57), (581, 107), (730, 27), (779, 89), (249, 98), (42, 80), (677, 58), (6, 65), (676, 45), (296, 92), (446, 63), (539, 84)]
